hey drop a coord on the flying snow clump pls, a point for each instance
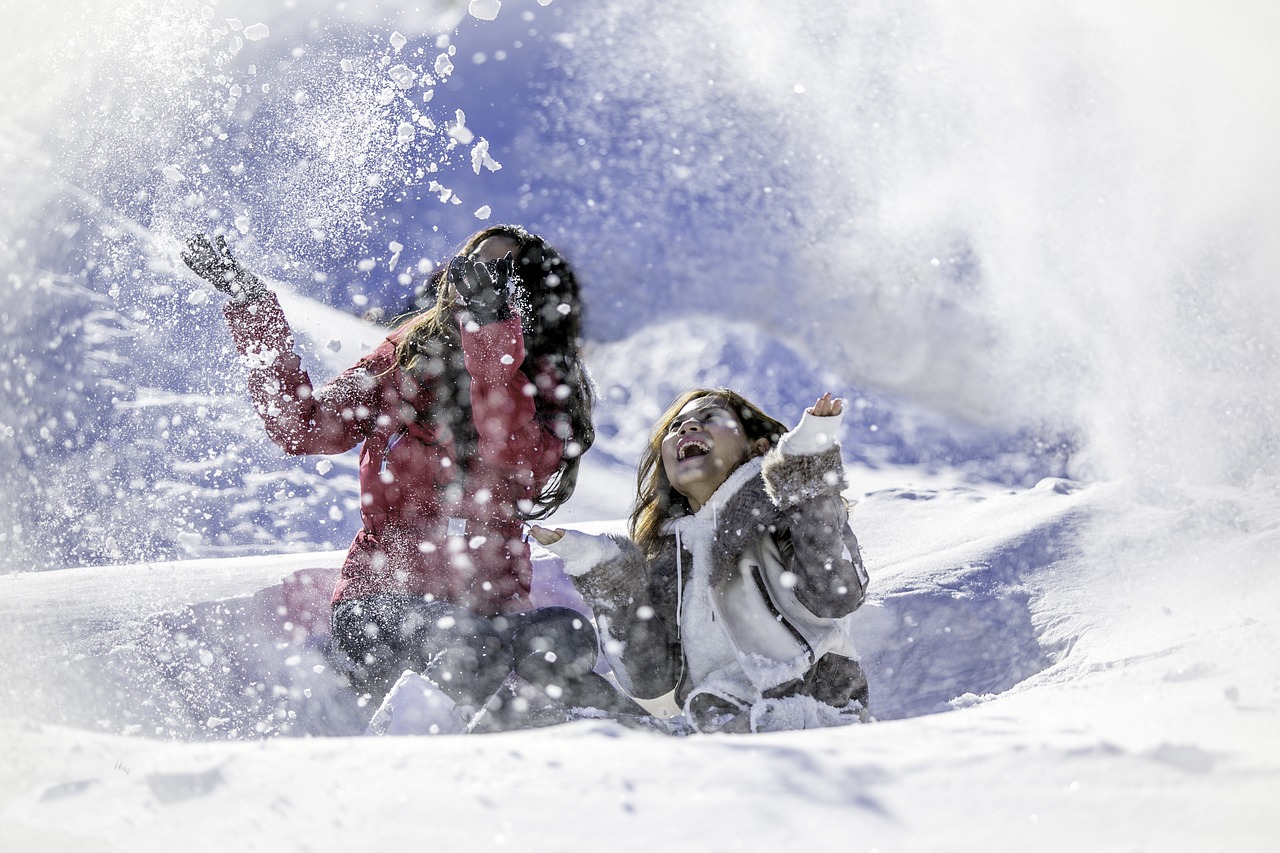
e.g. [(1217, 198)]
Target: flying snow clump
[(459, 132), (480, 156), (485, 10), (403, 76)]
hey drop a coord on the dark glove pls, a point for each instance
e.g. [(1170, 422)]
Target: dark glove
[(483, 288), (212, 261)]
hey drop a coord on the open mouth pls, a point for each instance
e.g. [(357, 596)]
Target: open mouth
[(692, 447)]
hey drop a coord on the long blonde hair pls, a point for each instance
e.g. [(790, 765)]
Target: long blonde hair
[(657, 501), (428, 345)]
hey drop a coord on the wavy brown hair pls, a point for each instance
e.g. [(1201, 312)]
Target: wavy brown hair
[(549, 303), (657, 501)]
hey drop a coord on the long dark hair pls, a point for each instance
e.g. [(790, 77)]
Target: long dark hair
[(656, 499), (550, 307)]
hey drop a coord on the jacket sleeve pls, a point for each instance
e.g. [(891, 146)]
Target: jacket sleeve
[(298, 416), (804, 476), (511, 440), (639, 639)]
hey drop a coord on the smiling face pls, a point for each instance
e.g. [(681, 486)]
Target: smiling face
[(703, 444)]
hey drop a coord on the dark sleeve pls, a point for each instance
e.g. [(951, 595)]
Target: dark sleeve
[(821, 549), (636, 619)]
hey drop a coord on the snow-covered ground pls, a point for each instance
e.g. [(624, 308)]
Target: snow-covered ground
[(1057, 668), (1032, 245)]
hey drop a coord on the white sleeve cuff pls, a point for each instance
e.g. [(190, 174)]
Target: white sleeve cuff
[(813, 435), (582, 552)]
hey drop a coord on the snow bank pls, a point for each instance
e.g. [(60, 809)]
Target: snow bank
[(140, 650), (1153, 724)]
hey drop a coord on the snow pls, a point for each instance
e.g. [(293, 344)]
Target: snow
[(460, 133), (485, 10), (1032, 247), (1022, 707), (480, 156), (403, 76)]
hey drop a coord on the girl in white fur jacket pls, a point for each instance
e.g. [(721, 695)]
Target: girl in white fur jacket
[(737, 583)]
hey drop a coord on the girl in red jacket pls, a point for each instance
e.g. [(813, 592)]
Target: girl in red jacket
[(473, 416)]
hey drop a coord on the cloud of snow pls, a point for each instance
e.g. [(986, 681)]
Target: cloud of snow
[(485, 10), (125, 127), (1009, 210), (184, 115)]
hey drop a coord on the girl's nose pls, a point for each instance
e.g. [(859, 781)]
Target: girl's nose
[(689, 426)]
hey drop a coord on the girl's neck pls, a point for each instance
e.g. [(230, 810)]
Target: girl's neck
[(729, 486)]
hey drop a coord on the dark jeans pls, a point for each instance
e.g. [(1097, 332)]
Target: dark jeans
[(469, 656)]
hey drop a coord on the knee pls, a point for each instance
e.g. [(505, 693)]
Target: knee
[(559, 642), (366, 632), (440, 627)]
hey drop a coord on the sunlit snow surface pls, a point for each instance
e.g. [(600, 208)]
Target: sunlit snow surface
[(1032, 246)]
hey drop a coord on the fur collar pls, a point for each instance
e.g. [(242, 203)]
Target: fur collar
[(739, 512)]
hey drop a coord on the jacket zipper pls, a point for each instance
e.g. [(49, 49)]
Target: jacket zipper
[(777, 614), (391, 445)]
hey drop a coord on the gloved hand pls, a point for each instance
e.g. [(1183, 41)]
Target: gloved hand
[(212, 261), (483, 288)]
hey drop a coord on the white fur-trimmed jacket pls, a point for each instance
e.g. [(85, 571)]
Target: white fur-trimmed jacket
[(747, 600)]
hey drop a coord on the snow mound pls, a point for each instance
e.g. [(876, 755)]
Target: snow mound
[(956, 581), (244, 654)]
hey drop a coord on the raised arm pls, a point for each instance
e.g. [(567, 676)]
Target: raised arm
[(804, 476), (512, 441), (298, 416)]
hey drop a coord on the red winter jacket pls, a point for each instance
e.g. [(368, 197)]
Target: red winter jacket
[(408, 543)]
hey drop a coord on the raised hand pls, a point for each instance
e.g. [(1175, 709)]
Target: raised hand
[(482, 288), (827, 406), (213, 262)]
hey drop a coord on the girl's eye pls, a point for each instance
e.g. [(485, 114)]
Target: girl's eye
[(703, 417)]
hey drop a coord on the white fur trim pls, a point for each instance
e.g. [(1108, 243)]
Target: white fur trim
[(813, 435), (707, 513), (582, 552), (792, 713)]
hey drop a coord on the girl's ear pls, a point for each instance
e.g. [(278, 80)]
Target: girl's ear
[(760, 447)]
